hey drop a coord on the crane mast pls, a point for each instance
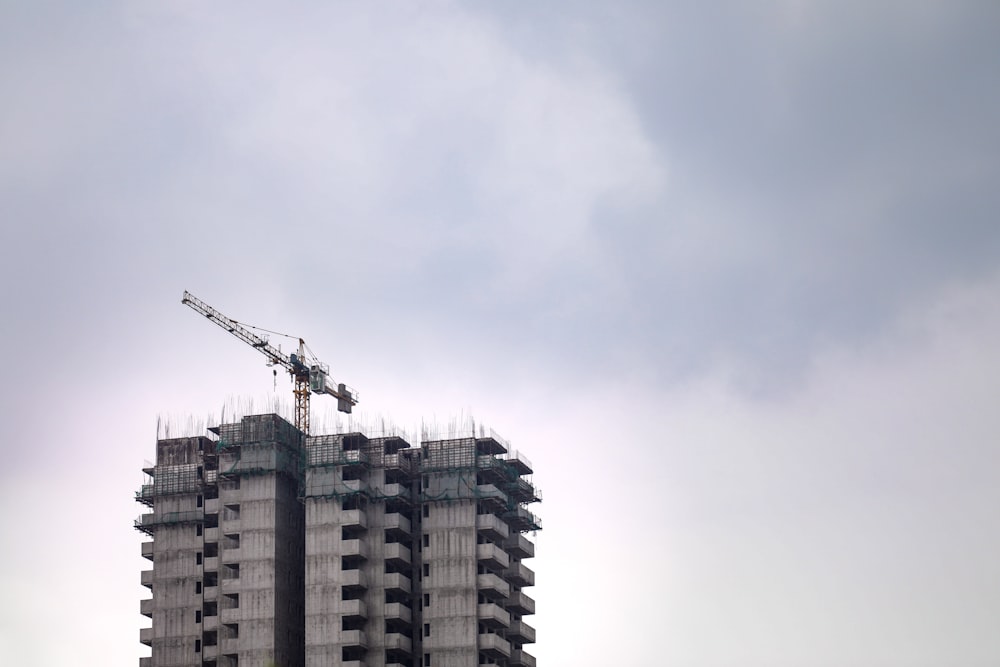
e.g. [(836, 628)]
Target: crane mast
[(307, 377)]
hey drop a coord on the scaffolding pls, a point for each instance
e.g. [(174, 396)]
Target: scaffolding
[(172, 480), (260, 458), (337, 467), (259, 445), (185, 465), (257, 429), (448, 455), (328, 451), (148, 523), (482, 468)]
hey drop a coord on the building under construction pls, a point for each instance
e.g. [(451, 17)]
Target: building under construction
[(271, 547)]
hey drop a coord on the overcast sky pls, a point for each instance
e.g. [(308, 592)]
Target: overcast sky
[(728, 273)]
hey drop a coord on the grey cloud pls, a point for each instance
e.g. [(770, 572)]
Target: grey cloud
[(817, 171), (827, 170)]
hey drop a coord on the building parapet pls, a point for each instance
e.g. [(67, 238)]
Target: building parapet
[(518, 658), (519, 575), (519, 546), (494, 645), (520, 603), (492, 527), (398, 643), (521, 632), (492, 615)]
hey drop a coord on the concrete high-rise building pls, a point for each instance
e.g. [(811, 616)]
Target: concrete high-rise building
[(228, 547), (271, 548)]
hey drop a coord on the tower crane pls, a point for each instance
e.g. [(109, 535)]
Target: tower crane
[(308, 374)]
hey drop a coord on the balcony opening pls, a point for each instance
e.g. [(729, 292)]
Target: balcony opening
[(352, 623), (398, 597), (353, 441), (352, 503), (352, 532), (399, 627), (352, 653), (211, 579), (212, 608), (211, 638)]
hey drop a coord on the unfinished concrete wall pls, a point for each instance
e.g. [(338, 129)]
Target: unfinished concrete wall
[(448, 557)]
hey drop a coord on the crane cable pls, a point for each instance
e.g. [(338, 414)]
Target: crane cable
[(278, 333)]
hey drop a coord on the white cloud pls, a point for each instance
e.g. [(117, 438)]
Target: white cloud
[(720, 530)]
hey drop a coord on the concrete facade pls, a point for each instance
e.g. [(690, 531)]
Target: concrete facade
[(274, 549)]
